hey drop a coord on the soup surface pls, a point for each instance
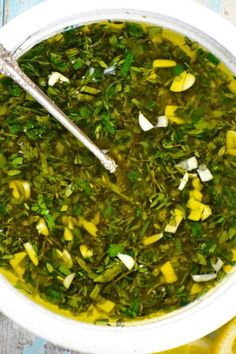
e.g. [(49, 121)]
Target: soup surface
[(159, 232)]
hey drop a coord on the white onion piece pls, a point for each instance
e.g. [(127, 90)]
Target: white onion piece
[(189, 164), (183, 181), (162, 122), (68, 280), (144, 123), (110, 70), (204, 173), (198, 278), (218, 265), (54, 77), (127, 260)]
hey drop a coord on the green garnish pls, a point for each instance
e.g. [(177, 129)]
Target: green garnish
[(129, 245)]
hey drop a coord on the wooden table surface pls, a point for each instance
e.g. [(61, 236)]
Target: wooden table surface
[(13, 338)]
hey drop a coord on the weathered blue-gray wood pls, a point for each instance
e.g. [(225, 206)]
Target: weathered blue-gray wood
[(12, 8), (2, 4), (15, 7)]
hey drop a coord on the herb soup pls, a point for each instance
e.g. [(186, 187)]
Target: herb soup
[(158, 233)]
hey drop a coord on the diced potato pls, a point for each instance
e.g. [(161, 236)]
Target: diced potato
[(176, 120), (232, 86), (88, 226), (196, 194), (68, 235), (16, 263), (85, 251), (31, 253), (106, 306), (231, 142), (170, 114), (206, 212), (170, 110), (152, 239), (227, 268), (195, 289), (193, 204), (197, 184), (163, 63), (195, 215), (182, 82), (18, 258), (234, 255), (168, 272)]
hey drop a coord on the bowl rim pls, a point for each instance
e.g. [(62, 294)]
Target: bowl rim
[(173, 329)]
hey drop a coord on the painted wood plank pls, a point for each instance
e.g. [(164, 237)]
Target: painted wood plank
[(230, 10), (15, 7), (216, 5), (227, 8), (2, 3)]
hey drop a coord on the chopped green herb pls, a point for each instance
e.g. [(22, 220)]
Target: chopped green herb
[(125, 244)]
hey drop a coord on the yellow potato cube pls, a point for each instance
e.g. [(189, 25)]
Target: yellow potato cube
[(232, 86), (195, 215), (168, 272), (85, 251), (68, 235), (206, 212), (231, 142), (170, 114), (152, 239), (195, 289), (88, 226), (227, 268), (163, 63), (106, 306), (234, 254), (196, 194), (195, 205), (16, 263), (197, 184)]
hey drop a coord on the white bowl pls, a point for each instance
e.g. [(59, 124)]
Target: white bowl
[(203, 315)]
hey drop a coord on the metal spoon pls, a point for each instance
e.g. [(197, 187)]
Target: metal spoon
[(10, 68)]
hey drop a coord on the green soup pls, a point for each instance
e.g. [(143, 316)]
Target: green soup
[(159, 232)]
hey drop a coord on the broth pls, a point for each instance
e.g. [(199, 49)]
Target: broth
[(161, 231)]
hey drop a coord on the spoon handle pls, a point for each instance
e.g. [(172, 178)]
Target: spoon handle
[(10, 68)]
